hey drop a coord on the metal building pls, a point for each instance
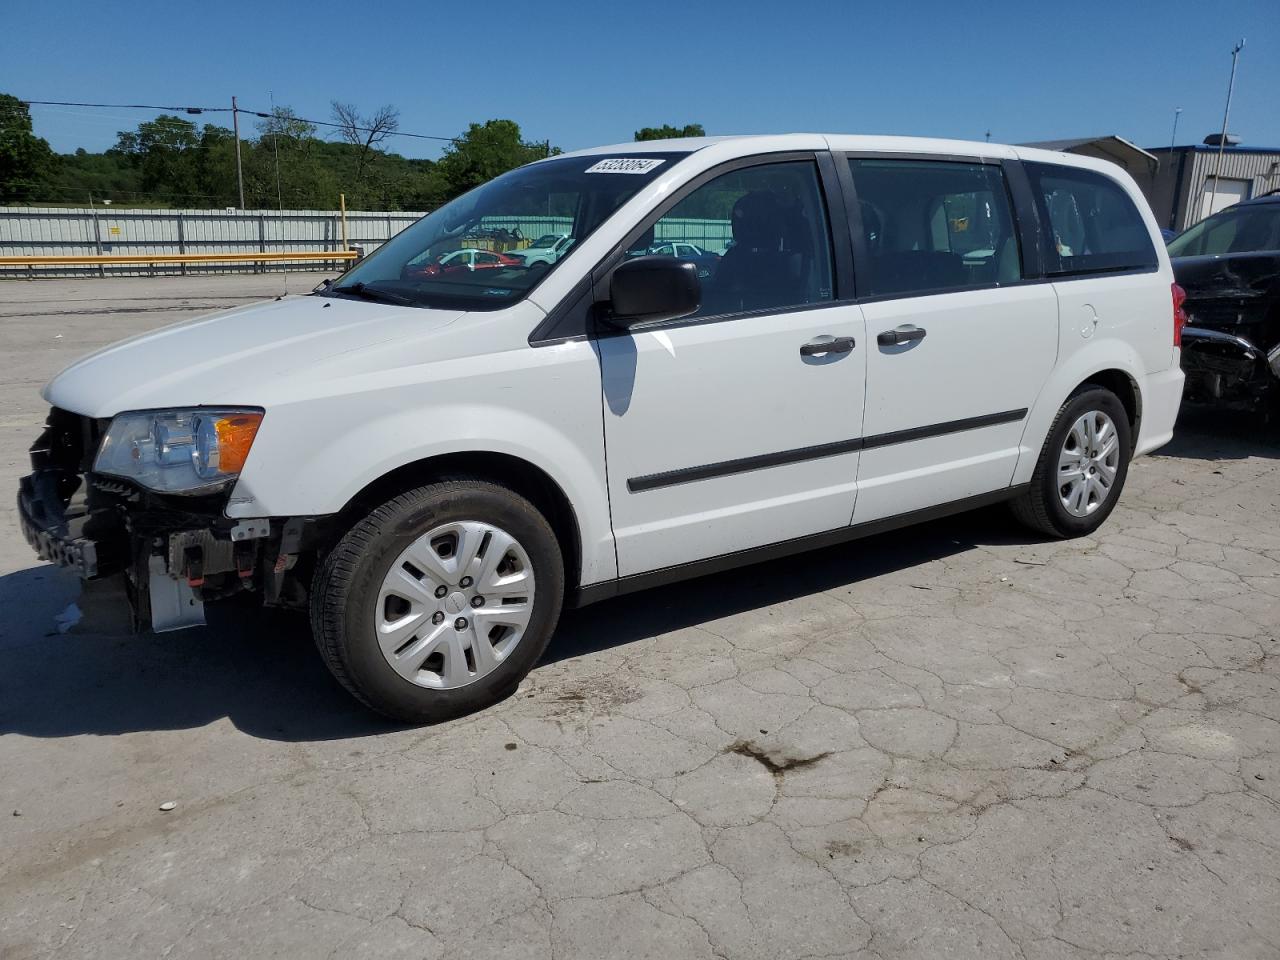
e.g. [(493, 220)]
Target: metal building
[(1182, 192), (1141, 164)]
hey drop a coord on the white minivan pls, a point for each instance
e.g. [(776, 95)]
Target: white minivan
[(432, 465)]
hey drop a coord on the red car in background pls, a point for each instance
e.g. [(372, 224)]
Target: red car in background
[(467, 260)]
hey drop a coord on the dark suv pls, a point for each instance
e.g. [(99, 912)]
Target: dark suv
[(1229, 266)]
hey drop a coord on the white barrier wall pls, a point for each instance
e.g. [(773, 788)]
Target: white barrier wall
[(62, 231), (55, 231)]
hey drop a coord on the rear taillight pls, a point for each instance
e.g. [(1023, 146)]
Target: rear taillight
[(1179, 314)]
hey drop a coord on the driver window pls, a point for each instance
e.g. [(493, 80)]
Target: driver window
[(759, 237)]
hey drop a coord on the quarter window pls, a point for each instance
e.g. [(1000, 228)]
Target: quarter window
[(759, 237), (1094, 226), (933, 225)]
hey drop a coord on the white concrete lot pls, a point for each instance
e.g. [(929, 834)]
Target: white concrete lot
[(953, 741)]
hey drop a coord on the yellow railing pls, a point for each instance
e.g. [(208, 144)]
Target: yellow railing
[(109, 259)]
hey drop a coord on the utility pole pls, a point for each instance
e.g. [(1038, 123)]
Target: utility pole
[(1226, 114), (235, 123)]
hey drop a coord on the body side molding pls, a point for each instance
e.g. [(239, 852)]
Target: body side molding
[(725, 468)]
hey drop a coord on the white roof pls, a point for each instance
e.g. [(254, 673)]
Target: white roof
[(769, 143)]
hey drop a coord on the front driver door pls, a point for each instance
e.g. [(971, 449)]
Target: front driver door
[(738, 427)]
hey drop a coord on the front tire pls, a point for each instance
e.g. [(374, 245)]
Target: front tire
[(1082, 468), (439, 602)]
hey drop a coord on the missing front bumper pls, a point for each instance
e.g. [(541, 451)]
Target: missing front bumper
[(53, 535)]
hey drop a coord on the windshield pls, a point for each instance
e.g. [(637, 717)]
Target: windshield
[(466, 254), (1239, 229)]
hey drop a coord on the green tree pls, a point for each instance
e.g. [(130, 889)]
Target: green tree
[(216, 166), (485, 151), (286, 165), (26, 162), (668, 132), (102, 176), (164, 152)]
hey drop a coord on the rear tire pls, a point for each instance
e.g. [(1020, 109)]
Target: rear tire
[(1078, 477), (440, 601)]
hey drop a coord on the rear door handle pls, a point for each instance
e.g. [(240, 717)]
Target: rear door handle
[(821, 346), (907, 333)]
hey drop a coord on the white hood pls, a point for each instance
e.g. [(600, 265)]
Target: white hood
[(228, 358)]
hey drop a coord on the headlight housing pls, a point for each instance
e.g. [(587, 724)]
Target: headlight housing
[(194, 451)]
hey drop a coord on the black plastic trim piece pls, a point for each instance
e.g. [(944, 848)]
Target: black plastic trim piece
[(570, 320), (915, 155), (725, 468), (603, 330), (1026, 214), (593, 593), (942, 429), (1100, 273), (837, 226)]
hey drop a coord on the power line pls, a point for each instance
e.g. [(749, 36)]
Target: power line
[(343, 126), (195, 111), (125, 106)]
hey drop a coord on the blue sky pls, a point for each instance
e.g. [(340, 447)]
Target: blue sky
[(581, 74)]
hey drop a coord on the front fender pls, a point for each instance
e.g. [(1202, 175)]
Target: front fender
[(312, 456)]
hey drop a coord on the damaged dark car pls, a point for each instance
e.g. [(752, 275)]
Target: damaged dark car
[(1229, 267)]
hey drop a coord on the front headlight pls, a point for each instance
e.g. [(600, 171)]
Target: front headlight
[(179, 451)]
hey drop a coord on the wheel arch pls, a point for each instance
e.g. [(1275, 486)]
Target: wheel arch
[(1111, 364), (1126, 388), (515, 473)]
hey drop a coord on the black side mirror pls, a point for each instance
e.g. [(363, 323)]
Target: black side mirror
[(652, 289)]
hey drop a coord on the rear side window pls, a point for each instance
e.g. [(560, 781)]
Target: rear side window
[(933, 225), (1093, 225)]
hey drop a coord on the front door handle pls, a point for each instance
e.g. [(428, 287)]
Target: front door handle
[(907, 333), (821, 346)]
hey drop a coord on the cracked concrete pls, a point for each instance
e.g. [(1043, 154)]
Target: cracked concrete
[(951, 741)]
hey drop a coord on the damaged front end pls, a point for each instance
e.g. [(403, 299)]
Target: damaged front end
[(173, 551), (1231, 345)]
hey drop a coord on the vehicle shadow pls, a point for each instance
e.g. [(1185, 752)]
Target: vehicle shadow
[(688, 603), (256, 667), (1206, 433), (259, 669)]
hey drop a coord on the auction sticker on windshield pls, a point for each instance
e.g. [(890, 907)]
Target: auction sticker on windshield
[(624, 165)]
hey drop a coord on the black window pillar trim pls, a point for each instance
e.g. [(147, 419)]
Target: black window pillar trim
[(1029, 225), (853, 219), (837, 206)]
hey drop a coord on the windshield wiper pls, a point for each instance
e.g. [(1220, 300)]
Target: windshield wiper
[(369, 292)]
